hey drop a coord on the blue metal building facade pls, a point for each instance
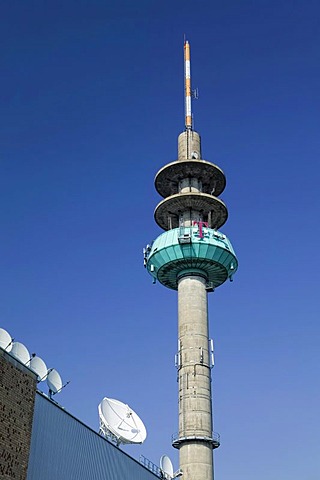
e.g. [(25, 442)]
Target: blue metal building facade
[(64, 448)]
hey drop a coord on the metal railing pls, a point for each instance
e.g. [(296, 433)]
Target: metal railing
[(152, 467)]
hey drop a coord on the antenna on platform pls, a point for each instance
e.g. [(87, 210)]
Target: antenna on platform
[(119, 423), (54, 382), (211, 344), (20, 352), (5, 340), (166, 468), (38, 366)]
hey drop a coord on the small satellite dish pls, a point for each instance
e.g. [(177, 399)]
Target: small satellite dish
[(119, 422), (166, 466), (39, 367), (54, 381), (20, 352), (5, 340)]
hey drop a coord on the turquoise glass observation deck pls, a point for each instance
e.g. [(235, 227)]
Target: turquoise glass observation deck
[(191, 251)]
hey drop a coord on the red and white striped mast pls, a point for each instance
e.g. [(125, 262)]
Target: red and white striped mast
[(187, 86)]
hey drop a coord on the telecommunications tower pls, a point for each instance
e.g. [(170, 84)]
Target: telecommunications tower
[(194, 258)]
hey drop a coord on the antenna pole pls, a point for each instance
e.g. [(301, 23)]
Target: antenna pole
[(10, 343), (187, 86), (42, 378), (58, 391)]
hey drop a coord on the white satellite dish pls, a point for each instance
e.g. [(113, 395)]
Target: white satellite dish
[(20, 352), (166, 466), (39, 367), (119, 422), (5, 340), (54, 381)]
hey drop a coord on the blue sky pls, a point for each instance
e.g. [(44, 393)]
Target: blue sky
[(92, 104)]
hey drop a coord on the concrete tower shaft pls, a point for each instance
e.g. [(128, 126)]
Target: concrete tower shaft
[(194, 258), (194, 363), (189, 145)]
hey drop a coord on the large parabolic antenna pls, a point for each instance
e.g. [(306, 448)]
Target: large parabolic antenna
[(5, 340), (120, 423)]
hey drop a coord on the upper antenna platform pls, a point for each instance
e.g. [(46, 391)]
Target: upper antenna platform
[(120, 423)]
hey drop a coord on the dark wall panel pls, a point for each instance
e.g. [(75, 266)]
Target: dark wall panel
[(64, 448)]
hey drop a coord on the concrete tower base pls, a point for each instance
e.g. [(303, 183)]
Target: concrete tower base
[(196, 461)]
